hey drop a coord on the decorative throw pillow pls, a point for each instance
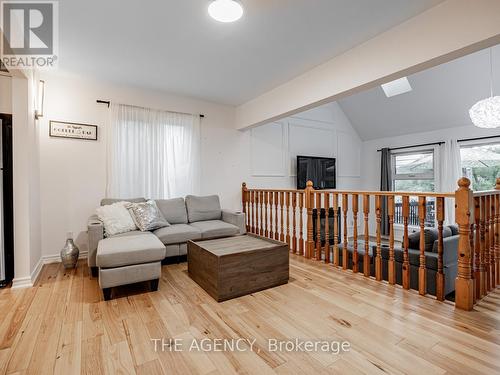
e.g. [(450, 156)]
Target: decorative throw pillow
[(116, 218), (147, 216)]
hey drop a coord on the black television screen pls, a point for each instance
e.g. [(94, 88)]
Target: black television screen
[(321, 171)]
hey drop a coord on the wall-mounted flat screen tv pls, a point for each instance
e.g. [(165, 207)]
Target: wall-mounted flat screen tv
[(321, 171)]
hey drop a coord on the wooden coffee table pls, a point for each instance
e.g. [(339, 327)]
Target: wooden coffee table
[(235, 266)]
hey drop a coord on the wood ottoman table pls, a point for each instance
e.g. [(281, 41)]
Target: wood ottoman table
[(235, 266)]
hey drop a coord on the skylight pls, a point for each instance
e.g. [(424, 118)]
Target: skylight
[(397, 87)]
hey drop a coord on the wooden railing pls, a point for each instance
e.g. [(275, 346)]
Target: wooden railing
[(296, 217)]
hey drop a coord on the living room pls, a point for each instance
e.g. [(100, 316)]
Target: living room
[(249, 107)]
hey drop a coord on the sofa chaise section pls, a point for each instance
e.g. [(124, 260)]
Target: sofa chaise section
[(129, 259)]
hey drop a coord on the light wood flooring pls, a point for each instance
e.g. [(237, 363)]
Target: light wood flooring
[(62, 325)]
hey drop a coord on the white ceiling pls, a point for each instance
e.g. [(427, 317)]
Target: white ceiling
[(440, 99), (173, 45)]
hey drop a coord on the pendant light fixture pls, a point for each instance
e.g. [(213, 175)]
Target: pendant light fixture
[(225, 10), (486, 112)]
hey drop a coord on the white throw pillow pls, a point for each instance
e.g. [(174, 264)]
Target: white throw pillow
[(116, 218)]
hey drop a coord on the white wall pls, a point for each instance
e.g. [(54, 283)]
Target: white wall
[(324, 131), (73, 172), (26, 183), (5, 94)]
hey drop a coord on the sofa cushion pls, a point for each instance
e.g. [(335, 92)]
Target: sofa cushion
[(454, 229), (106, 201), (132, 233), (177, 233), (215, 228), (413, 240), (203, 208), (127, 250), (173, 210)]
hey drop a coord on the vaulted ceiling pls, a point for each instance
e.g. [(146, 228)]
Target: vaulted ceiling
[(173, 45), (440, 99)]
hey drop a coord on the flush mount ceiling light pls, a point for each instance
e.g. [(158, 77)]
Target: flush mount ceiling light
[(225, 10), (397, 87), (486, 113)]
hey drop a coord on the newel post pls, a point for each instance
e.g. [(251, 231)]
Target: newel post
[(497, 234), (309, 196), (244, 198), (464, 286)]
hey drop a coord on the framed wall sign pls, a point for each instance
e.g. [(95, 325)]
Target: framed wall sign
[(72, 130)]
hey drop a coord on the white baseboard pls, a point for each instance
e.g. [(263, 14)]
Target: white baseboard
[(29, 281), (22, 282), (56, 258), (36, 271)]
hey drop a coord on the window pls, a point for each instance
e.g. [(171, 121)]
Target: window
[(414, 171), (481, 164)]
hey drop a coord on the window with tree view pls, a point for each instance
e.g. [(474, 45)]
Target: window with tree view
[(481, 164), (414, 171)]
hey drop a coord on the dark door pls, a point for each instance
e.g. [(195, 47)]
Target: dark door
[(8, 208)]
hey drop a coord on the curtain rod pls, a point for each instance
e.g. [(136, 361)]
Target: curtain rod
[(421, 145), (478, 138), (108, 103)]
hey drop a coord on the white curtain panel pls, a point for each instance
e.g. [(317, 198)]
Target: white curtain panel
[(452, 171), (152, 154)]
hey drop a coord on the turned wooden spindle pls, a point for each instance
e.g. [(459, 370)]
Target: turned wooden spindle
[(335, 230), (301, 223), (378, 255), (261, 200), (493, 276), (482, 232), (318, 226), (422, 277), (355, 203), (257, 216), (440, 274), (252, 211), (266, 222), (464, 292), (406, 262), (244, 203), (282, 221), (276, 230), (271, 223), (497, 239), (497, 233), (287, 205), (309, 206), (391, 272), (487, 249), (478, 275), (366, 257), (327, 229), (294, 222), (345, 207)]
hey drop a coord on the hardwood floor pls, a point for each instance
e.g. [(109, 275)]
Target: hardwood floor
[(62, 325)]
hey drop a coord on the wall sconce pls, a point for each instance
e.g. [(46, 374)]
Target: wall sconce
[(40, 99)]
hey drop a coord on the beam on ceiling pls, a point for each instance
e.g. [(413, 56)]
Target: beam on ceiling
[(450, 30)]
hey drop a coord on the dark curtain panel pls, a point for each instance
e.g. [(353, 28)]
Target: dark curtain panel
[(385, 185)]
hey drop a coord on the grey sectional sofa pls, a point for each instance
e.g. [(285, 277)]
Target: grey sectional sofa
[(136, 256)]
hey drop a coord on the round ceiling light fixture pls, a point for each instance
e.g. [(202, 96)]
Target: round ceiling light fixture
[(486, 113), (225, 10)]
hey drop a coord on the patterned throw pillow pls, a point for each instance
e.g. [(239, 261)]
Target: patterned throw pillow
[(147, 216), (116, 218)]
